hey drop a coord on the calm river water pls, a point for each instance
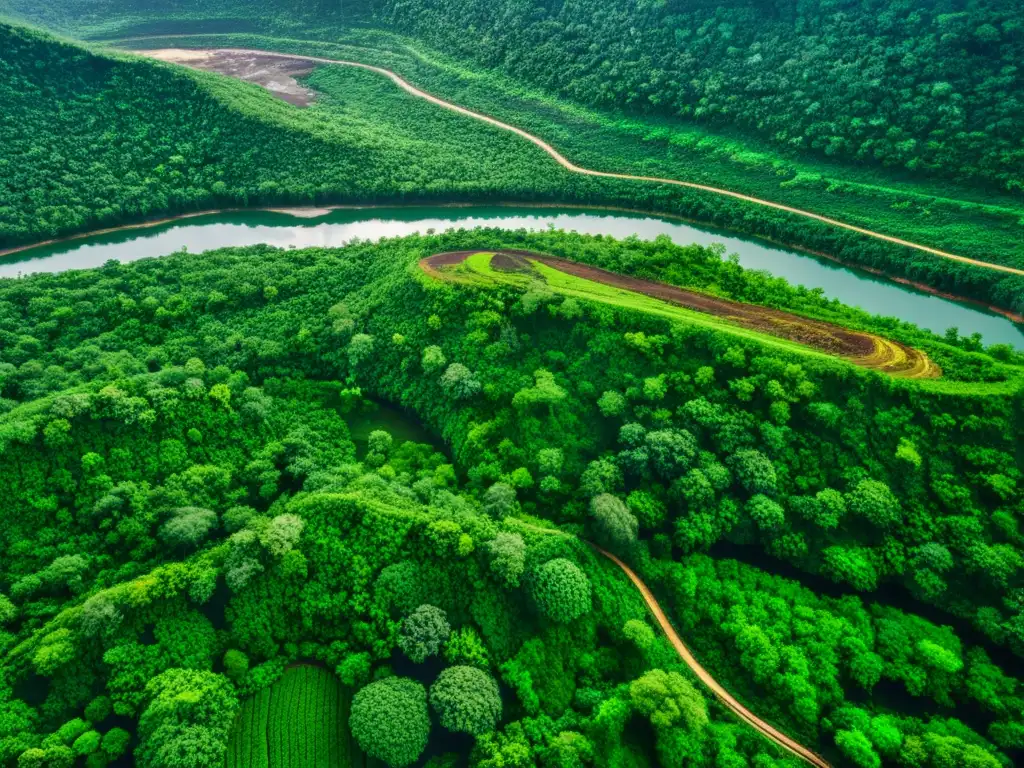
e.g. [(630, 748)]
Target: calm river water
[(850, 286)]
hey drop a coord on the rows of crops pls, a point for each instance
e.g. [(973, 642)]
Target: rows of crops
[(299, 722)]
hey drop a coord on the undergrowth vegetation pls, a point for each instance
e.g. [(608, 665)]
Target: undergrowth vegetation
[(177, 454), (333, 507)]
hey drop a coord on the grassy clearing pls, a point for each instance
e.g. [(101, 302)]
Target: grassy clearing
[(477, 270), (301, 721)]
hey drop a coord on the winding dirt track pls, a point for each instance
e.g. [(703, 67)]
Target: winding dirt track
[(569, 165), (865, 350), (766, 729)]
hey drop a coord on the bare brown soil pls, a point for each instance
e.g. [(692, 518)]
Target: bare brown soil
[(864, 349), (275, 73), (505, 261)]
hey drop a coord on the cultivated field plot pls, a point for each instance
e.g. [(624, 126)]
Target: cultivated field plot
[(301, 721), (768, 326)]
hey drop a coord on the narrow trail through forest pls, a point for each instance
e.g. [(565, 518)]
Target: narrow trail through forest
[(766, 729), (570, 166)]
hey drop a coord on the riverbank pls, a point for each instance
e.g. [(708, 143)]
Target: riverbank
[(337, 225), (314, 212), (574, 168)]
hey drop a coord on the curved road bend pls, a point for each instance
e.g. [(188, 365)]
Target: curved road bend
[(766, 729), (569, 165)]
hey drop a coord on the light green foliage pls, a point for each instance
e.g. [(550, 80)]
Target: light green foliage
[(187, 720), (466, 699), (857, 748), (8, 610), (560, 590), (466, 648), (638, 633), (87, 743), (569, 749), (907, 452), (648, 509), (875, 502), (545, 392), (669, 699), (611, 403), (389, 720), (433, 359)]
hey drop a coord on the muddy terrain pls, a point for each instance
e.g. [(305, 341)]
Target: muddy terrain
[(864, 349), (275, 73)]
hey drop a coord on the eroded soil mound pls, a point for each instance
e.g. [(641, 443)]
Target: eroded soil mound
[(860, 348), (275, 73)]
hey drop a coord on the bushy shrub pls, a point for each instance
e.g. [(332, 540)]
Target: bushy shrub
[(560, 590), (389, 720), (423, 633), (467, 700)]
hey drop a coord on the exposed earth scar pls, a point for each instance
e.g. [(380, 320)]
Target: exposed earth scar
[(866, 350), (275, 73)]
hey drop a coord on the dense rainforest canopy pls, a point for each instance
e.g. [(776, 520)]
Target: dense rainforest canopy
[(341, 507), (178, 465), (932, 87)]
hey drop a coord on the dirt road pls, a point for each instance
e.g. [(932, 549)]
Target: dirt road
[(866, 350), (569, 165), (767, 729)]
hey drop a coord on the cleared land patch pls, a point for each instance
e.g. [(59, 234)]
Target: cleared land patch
[(274, 73), (301, 721), (774, 326)]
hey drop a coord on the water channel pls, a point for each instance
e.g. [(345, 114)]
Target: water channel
[(850, 286)]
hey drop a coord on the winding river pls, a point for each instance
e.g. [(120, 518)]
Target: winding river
[(335, 228)]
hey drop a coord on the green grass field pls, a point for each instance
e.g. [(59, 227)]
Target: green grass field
[(301, 721), (477, 270), (478, 267)]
